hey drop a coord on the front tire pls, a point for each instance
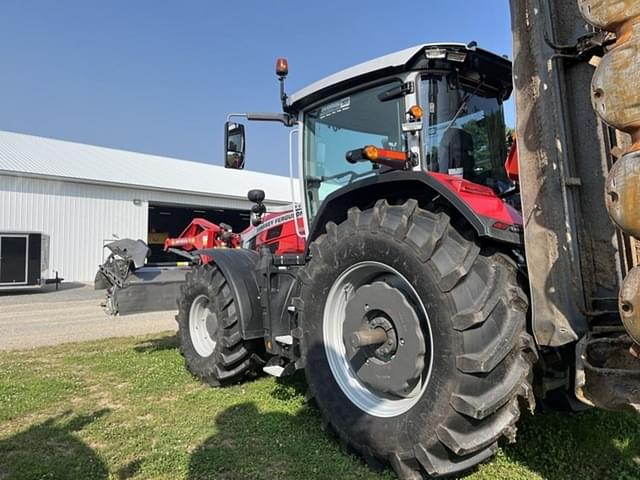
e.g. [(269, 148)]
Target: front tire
[(209, 329), (438, 401)]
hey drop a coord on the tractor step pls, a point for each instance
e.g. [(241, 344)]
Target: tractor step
[(279, 367), (284, 339), (274, 370), (608, 373)]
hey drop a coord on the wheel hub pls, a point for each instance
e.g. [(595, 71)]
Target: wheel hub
[(369, 304), (379, 335), (203, 326), (389, 347), (384, 343)]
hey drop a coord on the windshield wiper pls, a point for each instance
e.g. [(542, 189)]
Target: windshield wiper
[(461, 107), (395, 92)]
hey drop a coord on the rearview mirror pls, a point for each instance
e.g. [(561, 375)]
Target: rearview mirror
[(234, 147)]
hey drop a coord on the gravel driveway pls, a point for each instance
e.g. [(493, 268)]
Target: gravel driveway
[(31, 319)]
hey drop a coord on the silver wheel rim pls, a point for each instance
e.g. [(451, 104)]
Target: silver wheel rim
[(201, 319), (369, 401)]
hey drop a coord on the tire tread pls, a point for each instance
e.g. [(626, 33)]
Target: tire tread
[(492, 375), (232, 358)]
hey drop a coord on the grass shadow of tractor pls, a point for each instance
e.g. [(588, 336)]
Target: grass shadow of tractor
[(168, 342), (289, 388), (252, 444), (52, 449), (249, 443), (591, 445)]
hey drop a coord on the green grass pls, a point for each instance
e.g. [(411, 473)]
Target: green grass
[(126, 408)]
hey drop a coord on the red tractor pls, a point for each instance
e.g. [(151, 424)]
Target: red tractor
[(421, 320)]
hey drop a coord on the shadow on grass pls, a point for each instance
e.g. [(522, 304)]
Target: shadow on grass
[(251, 444), (169, 342), (289, 388), (52, 450), (129, 470), (590, 445)]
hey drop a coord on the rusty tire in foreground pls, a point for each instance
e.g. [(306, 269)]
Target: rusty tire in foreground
[(435, 405)]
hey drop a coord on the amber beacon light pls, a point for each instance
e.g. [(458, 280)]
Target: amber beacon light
[(282, 67)]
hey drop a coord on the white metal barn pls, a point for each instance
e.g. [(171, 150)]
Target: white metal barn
[(84, 196)]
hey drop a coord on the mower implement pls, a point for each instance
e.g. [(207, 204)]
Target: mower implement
[(133, 286)]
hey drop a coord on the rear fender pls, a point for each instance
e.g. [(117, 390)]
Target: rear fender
[(239, 269), (484, 211)]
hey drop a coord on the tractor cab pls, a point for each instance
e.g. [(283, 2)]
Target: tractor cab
[(435, 108)]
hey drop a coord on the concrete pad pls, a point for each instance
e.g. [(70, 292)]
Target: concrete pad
[(30, 319)]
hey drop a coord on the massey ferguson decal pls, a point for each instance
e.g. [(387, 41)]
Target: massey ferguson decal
[(274, 221)]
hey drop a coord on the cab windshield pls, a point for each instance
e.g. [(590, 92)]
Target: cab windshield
[(347, 123), (463, 132)]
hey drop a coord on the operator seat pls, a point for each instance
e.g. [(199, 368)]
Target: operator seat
[(455, 153)]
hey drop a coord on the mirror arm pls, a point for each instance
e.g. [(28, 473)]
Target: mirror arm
[(283, 95), (284, 118)]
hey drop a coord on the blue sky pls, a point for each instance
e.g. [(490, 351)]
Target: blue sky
[(160, 77)]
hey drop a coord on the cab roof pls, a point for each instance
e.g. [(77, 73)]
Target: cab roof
[(377, 67)]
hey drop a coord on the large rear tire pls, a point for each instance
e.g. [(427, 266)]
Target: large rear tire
[(209, 329), (437, 395)]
